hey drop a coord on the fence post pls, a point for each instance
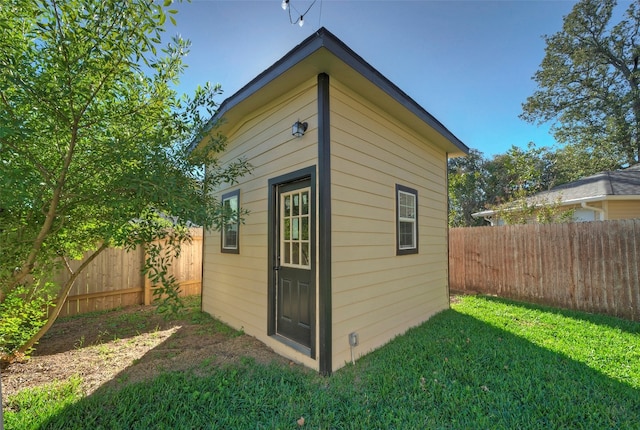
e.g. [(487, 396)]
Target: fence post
[(147, 291), (1, 412), (147, 282)]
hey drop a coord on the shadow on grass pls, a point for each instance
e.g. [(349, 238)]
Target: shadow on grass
[(195, 350), (455, 371)]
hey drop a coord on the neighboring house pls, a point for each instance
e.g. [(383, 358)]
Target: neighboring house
[(347, 200), (604, 196)]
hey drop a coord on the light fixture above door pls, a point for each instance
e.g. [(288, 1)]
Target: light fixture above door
[(299, 128)]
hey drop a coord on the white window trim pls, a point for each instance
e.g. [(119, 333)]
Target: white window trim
[(234, 249), (413, 248)]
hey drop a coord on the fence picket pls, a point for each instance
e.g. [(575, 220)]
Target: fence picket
[(634, 266), (114, 278), (590, 266)]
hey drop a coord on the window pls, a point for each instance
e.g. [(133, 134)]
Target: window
[(406, 220), (295, 226), (230, 223)]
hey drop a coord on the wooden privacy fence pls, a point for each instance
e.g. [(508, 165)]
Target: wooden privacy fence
[(589, 266), (114, 278)]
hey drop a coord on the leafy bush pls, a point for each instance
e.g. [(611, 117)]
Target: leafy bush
[(24, 312)]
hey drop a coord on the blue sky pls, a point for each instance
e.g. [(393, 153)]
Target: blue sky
[(469, 63)]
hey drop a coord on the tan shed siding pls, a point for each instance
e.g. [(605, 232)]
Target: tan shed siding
[(235, 286), (376, 293), (624, 209)]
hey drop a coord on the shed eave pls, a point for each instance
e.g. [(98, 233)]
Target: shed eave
[(323, 52)]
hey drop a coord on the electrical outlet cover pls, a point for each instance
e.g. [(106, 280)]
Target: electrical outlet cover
[(353, 339)]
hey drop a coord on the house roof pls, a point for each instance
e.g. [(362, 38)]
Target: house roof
[(623, 182), (322, 52), (608, 185)]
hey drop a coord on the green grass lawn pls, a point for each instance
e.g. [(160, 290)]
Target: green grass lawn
[(484, 364)]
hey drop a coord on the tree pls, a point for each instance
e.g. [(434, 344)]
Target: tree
[(467, 182), (575, 161), (476, 183), (94, 145), (589, 82), (513, 180), (518, 173), (507, 182)]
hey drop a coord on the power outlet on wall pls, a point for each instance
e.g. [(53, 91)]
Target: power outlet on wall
[(353, 339)]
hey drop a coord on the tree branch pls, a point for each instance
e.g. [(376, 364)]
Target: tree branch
[(62, 297), (28, 264)]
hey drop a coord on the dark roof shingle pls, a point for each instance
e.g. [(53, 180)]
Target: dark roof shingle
[(621, 182)]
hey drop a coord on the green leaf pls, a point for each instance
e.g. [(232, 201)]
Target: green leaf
[(586, 83), (87, 100)]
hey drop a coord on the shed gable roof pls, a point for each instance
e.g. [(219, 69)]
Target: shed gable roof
[(322, 52)]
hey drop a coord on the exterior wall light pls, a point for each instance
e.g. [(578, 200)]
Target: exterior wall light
[(299, 128)]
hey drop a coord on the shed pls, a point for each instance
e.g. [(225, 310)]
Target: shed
[(345, 243)]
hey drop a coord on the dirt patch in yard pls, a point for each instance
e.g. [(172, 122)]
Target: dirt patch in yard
[(129, 345)]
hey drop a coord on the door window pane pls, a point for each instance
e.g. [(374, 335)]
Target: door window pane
[(296, 205), (304, 258), (294, 229), (287, 253), (305, 228), (295, 253), (287, 206)]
